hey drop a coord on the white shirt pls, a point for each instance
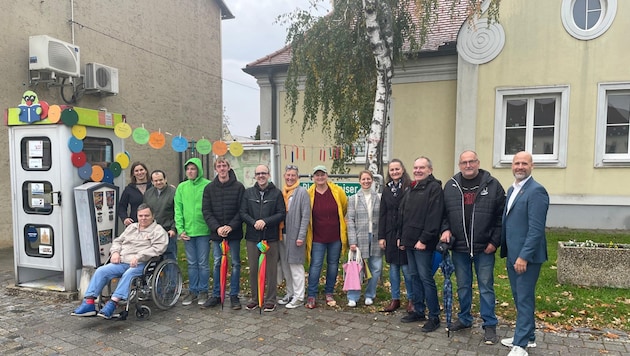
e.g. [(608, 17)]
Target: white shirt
[(517, 188)]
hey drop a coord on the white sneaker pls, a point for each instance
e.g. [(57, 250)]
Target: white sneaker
[(369, 301), (294, 303), (285, 300), (518, 351), (509, 342), (352, 303)]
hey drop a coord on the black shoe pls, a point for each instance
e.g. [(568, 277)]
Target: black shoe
[(412, 318), (431, 325), (211, 303), (235, 303), (458, 325), (490, 335)]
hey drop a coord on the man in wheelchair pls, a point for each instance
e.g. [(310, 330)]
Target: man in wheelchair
[(128, 255)]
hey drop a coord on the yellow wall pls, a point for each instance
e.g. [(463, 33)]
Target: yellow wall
[(423, 125), (538, 51)]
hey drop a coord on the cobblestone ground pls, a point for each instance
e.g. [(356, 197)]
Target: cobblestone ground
[(32, 325)]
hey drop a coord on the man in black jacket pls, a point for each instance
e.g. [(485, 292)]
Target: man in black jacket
[(221, 210), (421, 217), (474, 202), (263, 209)]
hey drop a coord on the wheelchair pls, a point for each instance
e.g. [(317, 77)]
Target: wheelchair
[(161, 282)]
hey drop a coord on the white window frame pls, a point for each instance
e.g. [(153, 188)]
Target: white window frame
[(602, 159), (561, 123), (609, 10), (359, 158)]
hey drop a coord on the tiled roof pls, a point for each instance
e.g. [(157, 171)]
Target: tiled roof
[(444, 31)]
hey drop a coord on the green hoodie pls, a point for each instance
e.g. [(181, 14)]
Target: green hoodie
[(188, 198)]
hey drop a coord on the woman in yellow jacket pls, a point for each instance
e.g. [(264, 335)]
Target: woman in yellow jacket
[(327, 234)]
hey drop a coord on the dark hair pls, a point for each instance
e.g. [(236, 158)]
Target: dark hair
[(133, 166), (405, 177), (158, 171)]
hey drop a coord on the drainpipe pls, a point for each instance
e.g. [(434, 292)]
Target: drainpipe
[(274, 106)]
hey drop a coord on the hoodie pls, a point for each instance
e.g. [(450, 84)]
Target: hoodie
[(188, 203)]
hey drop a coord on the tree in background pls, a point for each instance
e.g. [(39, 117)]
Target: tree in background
[(345, 63)]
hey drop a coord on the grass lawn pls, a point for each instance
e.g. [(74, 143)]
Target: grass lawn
[(558, 307)]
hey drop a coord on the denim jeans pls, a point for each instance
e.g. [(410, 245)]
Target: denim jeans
[(198, 256), (484, 269), (424, 288), (394, 281), (332, 251), (105, 274), (235, 253), (171, 249), (375, 264)]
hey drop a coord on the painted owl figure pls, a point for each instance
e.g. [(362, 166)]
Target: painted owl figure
[(30, 110)]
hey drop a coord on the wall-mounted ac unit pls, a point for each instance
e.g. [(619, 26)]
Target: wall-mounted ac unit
[(49, 54), (101, 79)]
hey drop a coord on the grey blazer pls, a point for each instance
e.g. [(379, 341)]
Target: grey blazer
[(358, 228)]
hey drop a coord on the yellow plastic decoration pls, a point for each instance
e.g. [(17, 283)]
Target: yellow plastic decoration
[(122, 130), (123, 160), (79, 131), (236, 148)]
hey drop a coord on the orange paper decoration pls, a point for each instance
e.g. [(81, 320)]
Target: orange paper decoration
[(219, 148), (157, 140)]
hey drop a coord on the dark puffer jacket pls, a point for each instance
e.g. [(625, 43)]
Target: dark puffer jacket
[(421, 213), (268, 207), (486, 215), (221, 206)]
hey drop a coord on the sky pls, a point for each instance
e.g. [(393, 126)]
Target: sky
[(251, 35)]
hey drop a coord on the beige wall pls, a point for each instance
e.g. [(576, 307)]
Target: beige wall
[(538, 51), (169, 59), (423, 125)]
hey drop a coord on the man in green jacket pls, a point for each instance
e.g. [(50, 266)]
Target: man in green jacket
[(194, 231)]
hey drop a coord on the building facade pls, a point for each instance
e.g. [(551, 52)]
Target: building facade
[(168, 57)]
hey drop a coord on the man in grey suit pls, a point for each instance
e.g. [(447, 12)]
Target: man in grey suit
[(524, 244)]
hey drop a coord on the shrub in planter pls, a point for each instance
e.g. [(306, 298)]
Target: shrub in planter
[(594, 264)]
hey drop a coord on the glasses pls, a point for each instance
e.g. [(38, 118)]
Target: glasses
[(290, 167), (471, 162), (261, 173)]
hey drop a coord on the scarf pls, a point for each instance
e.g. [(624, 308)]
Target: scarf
[(395, 188), (287, 192)]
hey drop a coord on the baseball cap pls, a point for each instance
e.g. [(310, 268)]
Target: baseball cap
[(320, 168)]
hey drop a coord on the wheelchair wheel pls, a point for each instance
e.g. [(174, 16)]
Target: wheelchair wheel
[(143, 312), (166, 285)]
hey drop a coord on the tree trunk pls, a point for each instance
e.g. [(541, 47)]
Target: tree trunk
[(380, 34)]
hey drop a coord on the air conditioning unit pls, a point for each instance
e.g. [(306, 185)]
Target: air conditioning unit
[(101, 79), (49, 54)]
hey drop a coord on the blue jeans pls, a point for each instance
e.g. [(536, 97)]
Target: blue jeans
[(394, 280), (235, 252), (424, 288), (375, 264), (332, 250), (198, 256), (484, 269), (171, 249), (105, 274)]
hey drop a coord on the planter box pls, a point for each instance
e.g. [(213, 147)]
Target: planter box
[(594, 266)]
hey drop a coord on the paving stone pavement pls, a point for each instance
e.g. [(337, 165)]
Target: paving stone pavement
[(32, 325)]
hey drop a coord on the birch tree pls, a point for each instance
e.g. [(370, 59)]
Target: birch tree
[(342, 65)]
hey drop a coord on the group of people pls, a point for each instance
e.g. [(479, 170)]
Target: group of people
[(471, 213)]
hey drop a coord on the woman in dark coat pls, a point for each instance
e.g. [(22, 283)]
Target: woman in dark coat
[(133, 195), (397, 184)]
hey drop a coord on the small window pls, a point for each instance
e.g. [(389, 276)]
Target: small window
[(98, 150), (37, 197), (39, 240), (533, 120), (588, 19), (36, 153), (613, 125)]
